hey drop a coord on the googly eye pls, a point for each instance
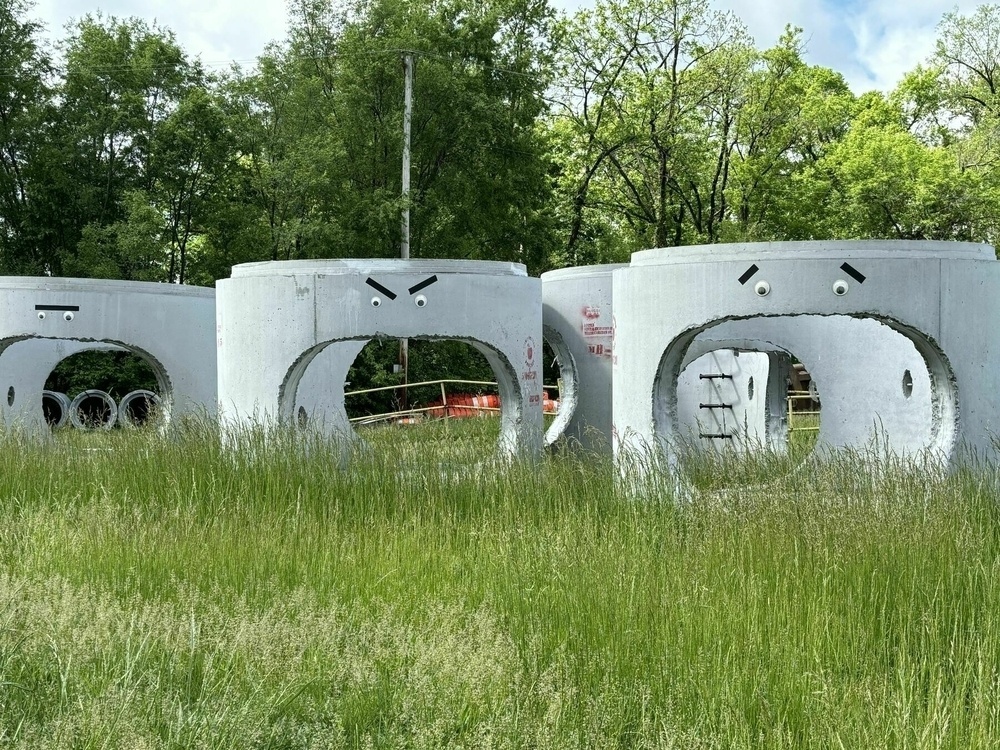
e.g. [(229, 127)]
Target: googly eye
[(41, 315), (840, 287), (376, 301), (68, 316), (762, 288), (420, 300)]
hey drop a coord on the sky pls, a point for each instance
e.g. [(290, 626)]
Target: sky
[(873, 44)]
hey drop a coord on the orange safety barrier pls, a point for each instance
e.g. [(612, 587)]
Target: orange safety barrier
[(462, 405)]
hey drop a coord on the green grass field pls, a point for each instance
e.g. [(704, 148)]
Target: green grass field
[(168, 594)]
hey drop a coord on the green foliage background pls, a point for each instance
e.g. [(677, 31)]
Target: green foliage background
[(539, 137)]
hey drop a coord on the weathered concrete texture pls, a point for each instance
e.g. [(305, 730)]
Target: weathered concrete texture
[(578, 325), (734, 400), (275, 318), (24, 368), (883, 372), (934, 293), (171, 327)]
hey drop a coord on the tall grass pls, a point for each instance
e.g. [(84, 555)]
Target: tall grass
[(171, 593)]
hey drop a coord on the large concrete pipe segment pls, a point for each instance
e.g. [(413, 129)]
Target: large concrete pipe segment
[(93, 409), (578, 319), (138, 407), (578, 323), (932, 293), (55, 408), (171, 327), (274, 318)]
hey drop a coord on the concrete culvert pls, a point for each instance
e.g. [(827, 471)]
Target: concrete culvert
[(55, 408), (138, 408), (93, 409)]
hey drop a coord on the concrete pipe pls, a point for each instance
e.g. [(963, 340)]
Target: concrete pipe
[(55, 408), (933, 294), (138, 408), (294, 310), (93, 409), (171, 327), (578, 323)]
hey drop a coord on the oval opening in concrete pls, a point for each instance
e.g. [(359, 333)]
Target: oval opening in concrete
[(405, 408), (127, 377), (864, 408)]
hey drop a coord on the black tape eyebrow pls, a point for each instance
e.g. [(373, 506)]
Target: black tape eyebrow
[(853, 272), (422, 285), (748, 274), (375, 285), (67, 308)]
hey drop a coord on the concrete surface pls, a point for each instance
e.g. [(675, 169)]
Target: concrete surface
[(274, 319), (932, 293), (169, 326), (578, 320)]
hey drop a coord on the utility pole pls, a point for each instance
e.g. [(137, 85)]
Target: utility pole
[(404, 245)]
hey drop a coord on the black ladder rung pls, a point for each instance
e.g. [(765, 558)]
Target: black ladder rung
[(715, 435), (715, 406), (715, 376)]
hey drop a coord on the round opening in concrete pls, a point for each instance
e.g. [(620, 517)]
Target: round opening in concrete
[(559, 370), (138, 408), (750, 388), (55, 408), (907, 384), (93, 409), (430, 398), (10, 396)]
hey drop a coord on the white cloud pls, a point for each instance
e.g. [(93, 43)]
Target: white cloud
[(219, 31), (873, 43)]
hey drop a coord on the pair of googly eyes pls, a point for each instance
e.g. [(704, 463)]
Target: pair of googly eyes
[(840, 288), (420, 301), (67, 316)]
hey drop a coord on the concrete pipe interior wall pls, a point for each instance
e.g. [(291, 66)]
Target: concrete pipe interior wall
[(293, 311), (930, 292), (171, 327), (884, 370), (729, 399)]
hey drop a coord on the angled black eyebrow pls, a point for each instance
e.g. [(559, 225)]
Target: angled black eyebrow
[(853, 272), (67, 308), (748, 274), (375, 285), (422, 285)]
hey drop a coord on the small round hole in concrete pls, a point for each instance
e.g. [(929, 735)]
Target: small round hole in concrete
[(303, 417), (907, 384), (10, 396), (750, 388)]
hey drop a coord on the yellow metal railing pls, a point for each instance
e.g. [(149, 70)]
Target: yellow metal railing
[(793, 413)]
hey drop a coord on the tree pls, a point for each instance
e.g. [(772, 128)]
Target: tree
[(23, 95)]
